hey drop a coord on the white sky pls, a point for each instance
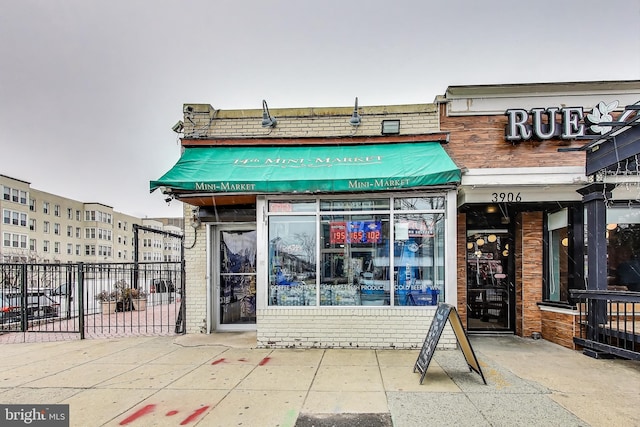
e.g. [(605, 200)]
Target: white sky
[(89, 90)]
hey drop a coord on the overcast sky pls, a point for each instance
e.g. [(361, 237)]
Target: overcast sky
[(89, 90)]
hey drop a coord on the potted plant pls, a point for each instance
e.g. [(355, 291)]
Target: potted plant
[(123, 298), (108, 301)]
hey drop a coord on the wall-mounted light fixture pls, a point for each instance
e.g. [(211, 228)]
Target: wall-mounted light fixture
[(267, 120), (178, 127), (355, 118), (390, 127), (195, 217)]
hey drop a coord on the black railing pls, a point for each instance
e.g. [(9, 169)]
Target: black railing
[(608, 322), (102, 299)]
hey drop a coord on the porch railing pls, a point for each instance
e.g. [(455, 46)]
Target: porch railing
[(608, 323)]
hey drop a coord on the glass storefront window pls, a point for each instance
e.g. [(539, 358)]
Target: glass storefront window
[(341, 255), (355, 260), (623, 248), (558, 280), (354, 205), (419, 203), (288, 206), (419, 258), (292, 260)]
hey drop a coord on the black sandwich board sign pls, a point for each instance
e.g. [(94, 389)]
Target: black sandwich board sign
[(443, 313)]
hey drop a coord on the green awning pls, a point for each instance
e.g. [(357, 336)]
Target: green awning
[(309, 169)]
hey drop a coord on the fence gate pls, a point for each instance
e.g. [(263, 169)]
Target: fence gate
[(71, 301)]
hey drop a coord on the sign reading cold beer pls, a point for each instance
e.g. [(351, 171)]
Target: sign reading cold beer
[(555, 122)]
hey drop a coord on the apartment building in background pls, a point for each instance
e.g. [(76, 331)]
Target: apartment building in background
[(40, 227)]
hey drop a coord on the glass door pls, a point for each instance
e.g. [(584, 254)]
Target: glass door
[(490, 288), (236, 278)]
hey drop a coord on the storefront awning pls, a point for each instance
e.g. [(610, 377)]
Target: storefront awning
[(309, 169)]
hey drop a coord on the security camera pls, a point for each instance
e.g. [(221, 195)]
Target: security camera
[(178, 127), (168, 199)]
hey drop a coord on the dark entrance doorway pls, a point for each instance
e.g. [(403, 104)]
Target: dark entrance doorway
[(490, 269)]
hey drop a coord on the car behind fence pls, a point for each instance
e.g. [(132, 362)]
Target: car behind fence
[(93, 300)]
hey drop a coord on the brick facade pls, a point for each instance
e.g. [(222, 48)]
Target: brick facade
[(529, 250), (348, 327), (284, 327)]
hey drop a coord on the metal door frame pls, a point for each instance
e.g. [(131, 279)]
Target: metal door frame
[(214, 290)]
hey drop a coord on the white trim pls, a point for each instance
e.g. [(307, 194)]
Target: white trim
[(451, 250), (559, 310), (209, 300), (524, 176)]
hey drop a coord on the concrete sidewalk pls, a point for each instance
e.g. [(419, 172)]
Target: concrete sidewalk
[(223, 380)]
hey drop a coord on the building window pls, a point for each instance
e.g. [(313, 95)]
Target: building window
[(558, 256), (364, 257), (46, 226), (32, 205), (69, 249), (56, 210), (77, 249), (56, 228), (78, 217), (45, 246), (32, 245), (45, 207), (89, 233), (10, 217), (69, 213), (32, 224), (15, 195), (78, 232), (90, 249), (623, 248), (56, 247), (69, 231)]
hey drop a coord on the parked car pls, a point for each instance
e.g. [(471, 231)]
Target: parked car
[(9, 309), (38, 307)]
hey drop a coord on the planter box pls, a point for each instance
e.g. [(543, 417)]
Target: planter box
[(108, 307), (140, 304)]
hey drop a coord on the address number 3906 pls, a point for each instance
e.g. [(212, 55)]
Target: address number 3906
[(506, 197)]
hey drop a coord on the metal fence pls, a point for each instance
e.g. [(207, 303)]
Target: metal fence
[(609, 322), (93, 300)]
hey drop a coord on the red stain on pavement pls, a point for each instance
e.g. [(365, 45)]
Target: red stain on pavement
[(242, 359), (194, 415), (171, 413), (264, 361), (139, 413), (215, 362)]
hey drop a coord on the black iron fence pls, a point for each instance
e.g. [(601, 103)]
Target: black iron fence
[(609, 322), (93, 300)]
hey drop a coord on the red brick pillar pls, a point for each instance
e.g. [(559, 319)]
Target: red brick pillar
[(462, 267), (529, 252)]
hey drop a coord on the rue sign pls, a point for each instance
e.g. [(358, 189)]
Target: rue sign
[(555, 122)]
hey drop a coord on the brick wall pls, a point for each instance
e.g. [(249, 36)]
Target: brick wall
[(478, 142), (195, 272), (559, 327), (529, 252), (462, 266), (329, 327), (308, 122)]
